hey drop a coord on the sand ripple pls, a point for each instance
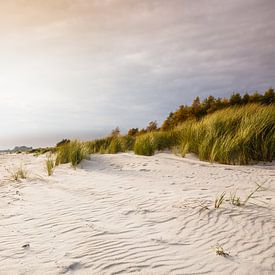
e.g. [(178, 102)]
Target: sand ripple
[(114, 216)]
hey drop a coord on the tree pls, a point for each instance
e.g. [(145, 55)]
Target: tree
[(115, 132), (245, 98), (219, 104), (152, 126), (181, 115), (209, 104), (133, 132), (168, 122), (268, 97), (196, 108), (224, 102), (235, 99), (255, 98)]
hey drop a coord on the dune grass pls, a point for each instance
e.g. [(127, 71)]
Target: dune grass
[(19, 173), (235, 200), (111, 145), (236, 135), (73, 152), (144, 145), (251, 194), (50, 164), (219, 200), (148, 144)]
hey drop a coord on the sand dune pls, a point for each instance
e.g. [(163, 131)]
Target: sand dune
[(120, 214)]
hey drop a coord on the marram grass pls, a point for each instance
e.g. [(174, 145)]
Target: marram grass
[(49, 163), (236, 135), (145, 145), (148, 144), (73, 152), (111, 145)]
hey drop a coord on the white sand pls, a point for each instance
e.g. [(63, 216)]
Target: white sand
[(118, 214)]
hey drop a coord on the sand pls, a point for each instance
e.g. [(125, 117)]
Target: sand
[(121, 214)]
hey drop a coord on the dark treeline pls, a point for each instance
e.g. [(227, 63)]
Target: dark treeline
[(199, 109)]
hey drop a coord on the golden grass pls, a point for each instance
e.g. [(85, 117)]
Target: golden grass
[(50, 164), (73, 152), (19, 173), (219, 200)]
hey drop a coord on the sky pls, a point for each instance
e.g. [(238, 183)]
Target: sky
[(79, 68)]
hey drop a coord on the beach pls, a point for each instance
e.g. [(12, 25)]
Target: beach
[(123, 213)]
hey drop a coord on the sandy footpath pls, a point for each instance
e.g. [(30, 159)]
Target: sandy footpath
[(121, 214)]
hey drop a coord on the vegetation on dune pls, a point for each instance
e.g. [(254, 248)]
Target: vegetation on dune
[(238, 130), (71, 152), (199, 109), (19, 173), (49, 163), (112, 144), (145, 145), (219, 200), (41, 151), (234, 136)]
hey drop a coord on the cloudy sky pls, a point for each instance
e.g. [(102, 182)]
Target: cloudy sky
[(78, 68)]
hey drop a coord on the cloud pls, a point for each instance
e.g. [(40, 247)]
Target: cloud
[(87, 66)]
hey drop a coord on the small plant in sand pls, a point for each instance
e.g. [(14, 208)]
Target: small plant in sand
[(251, 194), (50, 163), (235, 200), (220, 251), (19, 173), (219, 200)]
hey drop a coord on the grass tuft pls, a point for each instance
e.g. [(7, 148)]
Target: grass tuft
[(19, 173), (219, 200), (72, 152), (251, 194), (235, 200), (144, 145), (220, 251), (50, 164)]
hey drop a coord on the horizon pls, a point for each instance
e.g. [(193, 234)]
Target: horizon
[(78, 69)]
